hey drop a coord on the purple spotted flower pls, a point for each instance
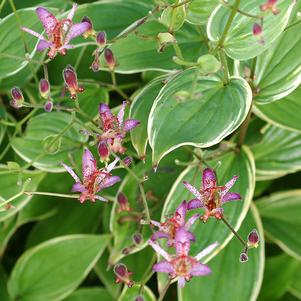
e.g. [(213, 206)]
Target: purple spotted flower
[(211, 197), (114, 130), (181, 264), (94, 180), (59, 33), (270, 5), (169, 227)]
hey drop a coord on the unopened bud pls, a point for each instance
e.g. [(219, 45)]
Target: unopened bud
[(123, 275), (139, 298), (101, 38), (109, 58), (44, 88), (70, 78), (90, 31), (126, 251), (95, 66), (127, 161), (17, 98), (208, 63), (253, 239), (243, 257), (123, 202), (103, 151), (48, 106), (137, 238), (270, 5), (257, 29), (164, 39)]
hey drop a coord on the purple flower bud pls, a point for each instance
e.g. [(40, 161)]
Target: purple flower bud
[(253, 239), (48, 106), (70, 78), (123, 202), (126, 251), (101, 38), (137, 238), (139, 298), (257, 29), (44, 88), (120, 270), (123, 275), (127, 161), (17, 96), (243, 257), (109, 58), (103, 151)]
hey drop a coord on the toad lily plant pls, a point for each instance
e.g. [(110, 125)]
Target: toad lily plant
[(59, 33)]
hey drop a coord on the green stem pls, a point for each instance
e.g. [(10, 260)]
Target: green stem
[(244, 129), (292, 25), (234, 232), (178, 51), (164, 291), (224, 62)]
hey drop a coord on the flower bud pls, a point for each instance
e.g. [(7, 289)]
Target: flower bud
[(48, 106), (243, 257), (90, 31), (270, 5), (44, 88), (109, 58), (123, 203), (123, 275), (137, 238), (127, 161), (96, 63), (253, 239), (70, 78), (139, 298), (103, 151), (17, 98), (164, 39), (257, 29), (101, 38), (208, 63)]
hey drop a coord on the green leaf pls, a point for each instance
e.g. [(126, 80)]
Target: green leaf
[(278, 275), (240, 43), (138, 52), (7, 229), (12, 38), (90, 294), (198, 11), (284, 113), (2, 126), (3, 286), (242, 165), (173, 18), (231, 280), (9, 188), (61, 224), (295, 287), (129, 294), (52, 144), (140, 109), (52, 270), (189, 105), (280, 214), (29, 146), (277, 153)]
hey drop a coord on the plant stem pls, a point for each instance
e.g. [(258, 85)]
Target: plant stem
[(61, 195), (228, 24), (244, 129), (292, 25), (234, 232), (178, 51), (225, 66)]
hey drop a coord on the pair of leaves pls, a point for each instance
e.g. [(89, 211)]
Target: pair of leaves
[(198, 11), (52, 270), (280, 214), (240, 43)]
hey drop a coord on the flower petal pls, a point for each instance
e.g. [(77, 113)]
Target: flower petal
[(34, 33), (76, 30), (78, 187), (194, 204), (193, 190), (159, 234), (181, 213), (112, 165), (105, 110), (163, 267), (208, 178), (192, 220), (199, 269), (206, 251), (108, 182), (159, 250), (89, 163), (42, 45), (48, 20), (71, 172), (130, 124), (228, 186), (231, 196), (181, 282), (120, 115), (100, 198), (72, 12)]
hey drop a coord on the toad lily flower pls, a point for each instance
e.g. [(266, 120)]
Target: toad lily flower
[(169, 228), (182, 265), (59, 33), (211, 197), (270, 5), (94, 180), (114, 130)]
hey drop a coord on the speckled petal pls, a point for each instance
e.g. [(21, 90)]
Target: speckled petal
[(48, 20), (78, 187), (121, 113), (228, 186), (159, 250), (199, 269), (194, 204), (181, 212), (72, 12), (192, 220), (193, 190), (208, 179), (71, 172), (76, 30), (181, 282), (88, 163), (130, 124), (34, 33), (206, 251), (158, 235), (42, 45), (108, 182), (163, 267), (112, 165), (231, 196)]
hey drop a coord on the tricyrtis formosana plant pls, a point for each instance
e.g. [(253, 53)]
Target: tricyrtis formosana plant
[(147, 148)]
